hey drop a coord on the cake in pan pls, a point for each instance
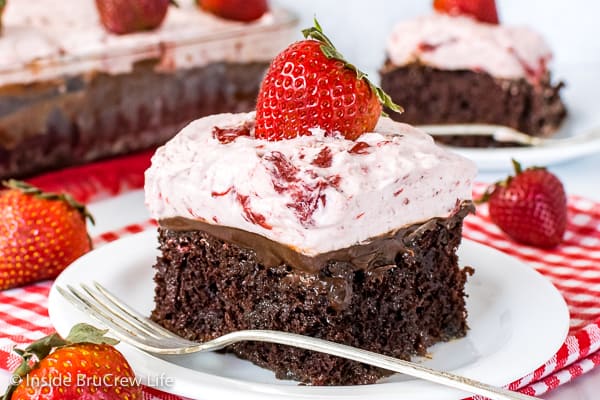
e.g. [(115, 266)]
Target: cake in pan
[(71, 92)]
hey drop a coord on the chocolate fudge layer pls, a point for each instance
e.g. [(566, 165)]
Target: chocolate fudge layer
[(88, 117), (435, 96), (396, 294)]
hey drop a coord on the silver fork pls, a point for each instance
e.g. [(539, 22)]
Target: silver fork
[(502, 133), (137, 330)]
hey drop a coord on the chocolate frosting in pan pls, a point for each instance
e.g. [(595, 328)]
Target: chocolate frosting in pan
[(374, 253)]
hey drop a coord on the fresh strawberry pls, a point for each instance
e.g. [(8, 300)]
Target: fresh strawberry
[(238, 10), (309, 85), (127, 16), (85, 365), (40, 234), (482, 10), (530, 207)]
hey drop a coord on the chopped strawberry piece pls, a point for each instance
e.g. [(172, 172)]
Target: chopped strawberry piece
[(323, 159), (219, 194), (307, 196), (425, 47), (334, 181), (229, 134), (252, 216), (359, 148), (282, 170), (398, 192)]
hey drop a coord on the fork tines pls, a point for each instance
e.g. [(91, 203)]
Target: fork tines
[(124, 322)]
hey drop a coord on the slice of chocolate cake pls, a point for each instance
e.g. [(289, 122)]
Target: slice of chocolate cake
[(312, 235), (455, 69)]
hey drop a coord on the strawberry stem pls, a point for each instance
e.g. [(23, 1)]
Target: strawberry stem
[(329, 50), (517, 166), (85, 333), (490, 189), (42, 347), (31, 190), (485, 197), (2, 4)]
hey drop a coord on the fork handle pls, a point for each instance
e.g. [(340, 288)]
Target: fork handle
[(502, 133), (368, 357)]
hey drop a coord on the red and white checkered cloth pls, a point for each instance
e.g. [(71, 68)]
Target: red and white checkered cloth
[(573, 267)]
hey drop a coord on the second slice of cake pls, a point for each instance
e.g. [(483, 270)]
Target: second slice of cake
[(457, 69)]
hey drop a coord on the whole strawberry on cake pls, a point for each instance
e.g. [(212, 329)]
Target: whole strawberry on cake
[(461, 65), (313, 215)]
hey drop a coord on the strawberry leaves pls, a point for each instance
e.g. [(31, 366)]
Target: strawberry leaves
[(31, 190)]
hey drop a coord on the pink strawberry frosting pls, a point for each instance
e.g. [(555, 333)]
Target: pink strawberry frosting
[(312, 193), (460, 42)]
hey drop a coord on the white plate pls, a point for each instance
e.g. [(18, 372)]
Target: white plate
[(500, 159), (580, 96), (518, 321)]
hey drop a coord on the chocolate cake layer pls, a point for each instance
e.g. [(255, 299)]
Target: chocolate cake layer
[(434, 96), (84, 118), (408, 298)]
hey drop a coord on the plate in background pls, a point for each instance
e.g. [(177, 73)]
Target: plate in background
[(581, 98)]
